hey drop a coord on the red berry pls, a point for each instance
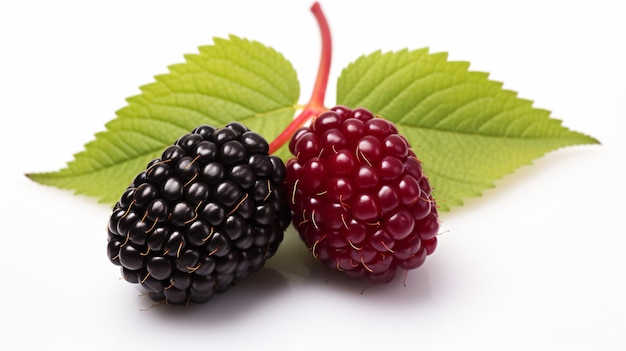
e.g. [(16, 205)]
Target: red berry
[(359, 198)]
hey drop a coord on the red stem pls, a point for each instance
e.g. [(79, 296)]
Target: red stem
[(315, 106)]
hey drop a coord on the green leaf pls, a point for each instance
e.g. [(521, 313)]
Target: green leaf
[(466, 129), (234, 79)]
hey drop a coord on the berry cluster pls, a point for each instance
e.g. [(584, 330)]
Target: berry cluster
[(214, 207), (359, 198), (206, 214)]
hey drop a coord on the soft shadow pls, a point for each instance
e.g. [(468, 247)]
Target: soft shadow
[(303, 271), (412, 286), (232, 305), (293, 268)]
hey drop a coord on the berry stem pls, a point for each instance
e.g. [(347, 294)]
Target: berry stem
[(315, 106), (319, 90)]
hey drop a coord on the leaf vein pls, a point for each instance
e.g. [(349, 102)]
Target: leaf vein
[(209, 69)]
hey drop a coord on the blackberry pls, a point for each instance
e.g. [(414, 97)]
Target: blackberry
[(207, 213), (360, 200)]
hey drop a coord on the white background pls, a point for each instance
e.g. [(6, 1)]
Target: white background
[(535, 264)]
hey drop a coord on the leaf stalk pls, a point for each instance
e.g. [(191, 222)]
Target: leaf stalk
[(315, 106)]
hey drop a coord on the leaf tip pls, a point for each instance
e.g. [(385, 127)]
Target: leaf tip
[(35, 177)]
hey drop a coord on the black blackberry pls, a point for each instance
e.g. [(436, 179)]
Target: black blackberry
[(205, 215)]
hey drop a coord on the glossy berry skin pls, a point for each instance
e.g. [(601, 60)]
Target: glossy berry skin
[(207, 213), (359, 197)]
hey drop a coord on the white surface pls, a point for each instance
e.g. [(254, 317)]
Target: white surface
[(536, 264)]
